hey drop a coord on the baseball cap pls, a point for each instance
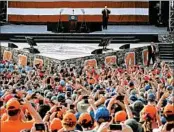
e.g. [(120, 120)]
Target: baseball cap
[(137, 106), (151, 97), (53, 98), (136, 127), (46, 91), (84, 118), (62, 82), (133, 97), (131, 84), (102, 113), (170, 88), (150, 109), (12, 104), (55, 124), (142, 90), (133, 92), (147, 87), (169, 109), (97, 86), (120, 116), (163, 120), (49, 95), (146, 78), (82, 106), (68, 88), (69, 118), (61, 97), (150, 91)]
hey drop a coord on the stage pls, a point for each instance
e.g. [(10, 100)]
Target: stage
[(118, 33), (112, 29)]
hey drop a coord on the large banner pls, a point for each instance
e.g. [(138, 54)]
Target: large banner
[(130, 59), (49, 10), (91, 63), (145, 56), (22, 60), (7, 55), (110, 60)]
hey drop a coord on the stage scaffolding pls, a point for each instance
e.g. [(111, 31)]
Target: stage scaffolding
[(171, 16)]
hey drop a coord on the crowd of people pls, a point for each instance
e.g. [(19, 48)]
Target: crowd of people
[(88, 99)]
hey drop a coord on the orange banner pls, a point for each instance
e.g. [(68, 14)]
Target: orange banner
[(109, 60), (22, 60), (7, 55), (130, 59), (145, 56), (78, 4), (38, 61), (91, 63)]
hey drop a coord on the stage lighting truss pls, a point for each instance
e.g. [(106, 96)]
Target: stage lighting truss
[(171, 16)]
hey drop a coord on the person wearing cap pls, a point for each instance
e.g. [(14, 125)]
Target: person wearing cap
[(55, 125), (14, 113), (169, 119), (149, 115), (135, 126), (102, 115), (86, 122), (69, 122), (137, 106), (120, 116)]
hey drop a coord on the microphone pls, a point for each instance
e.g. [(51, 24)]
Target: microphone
[(61, 11), (83, 11)]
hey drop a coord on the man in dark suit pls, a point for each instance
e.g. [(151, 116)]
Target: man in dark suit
[(151, 53), (105, 13)]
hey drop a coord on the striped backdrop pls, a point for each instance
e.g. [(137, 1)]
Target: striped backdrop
[(49, 11)]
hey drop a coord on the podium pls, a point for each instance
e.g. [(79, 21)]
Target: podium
[(73, 23)]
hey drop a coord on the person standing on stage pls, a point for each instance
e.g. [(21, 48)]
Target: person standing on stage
[(151, 53), (105, 13)]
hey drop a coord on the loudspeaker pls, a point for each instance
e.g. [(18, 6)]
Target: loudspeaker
[(12, 45), (125, 46), (31, 41), (97, 51)]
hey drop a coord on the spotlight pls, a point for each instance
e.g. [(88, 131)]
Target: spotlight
[(125, 46), (12, 45)]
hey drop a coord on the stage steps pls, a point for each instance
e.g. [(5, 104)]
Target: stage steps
[(79, 37), (166, 53), (75, 39)]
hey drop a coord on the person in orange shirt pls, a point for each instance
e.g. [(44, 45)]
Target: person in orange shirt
[(14, 122)]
